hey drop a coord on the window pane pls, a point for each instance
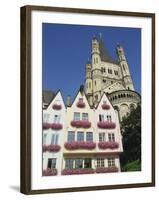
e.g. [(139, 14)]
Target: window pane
[(80, 136), (87, 163), (71, 136), (69, 163), (78, 163), (53, 139), (76, 116), (89, 136), (101, 137), (84, 116), (44, 138), (46, 117), (51, 163)]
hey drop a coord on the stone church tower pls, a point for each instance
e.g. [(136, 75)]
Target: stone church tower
[(104, 74)]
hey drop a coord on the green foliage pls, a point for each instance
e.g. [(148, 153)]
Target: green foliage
[(131, 132), (133, 166)]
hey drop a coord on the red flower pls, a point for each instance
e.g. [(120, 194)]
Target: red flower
[(51, 148), (50, 172), (79, 145), (108, 145), (81, 124), (77, 171), (106, 169), (46, 126), (56, 126), (56, 107), (81, 104), (106, 125), (105, 106)]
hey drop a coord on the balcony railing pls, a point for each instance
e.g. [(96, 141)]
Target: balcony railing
[(51, 148), (108, 145), (80, 145), (56, 106), (78, 171), (50, 172), (80, 104), (106, 125), (106, 169), (81, 124), (105, 106)]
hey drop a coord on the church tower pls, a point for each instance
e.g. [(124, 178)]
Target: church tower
[(88, 83), (96, 71), (124, 68)]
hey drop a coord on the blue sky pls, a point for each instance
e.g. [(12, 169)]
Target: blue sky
[(66, 49)]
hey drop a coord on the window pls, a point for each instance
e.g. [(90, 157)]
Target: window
[(76, 116), (104, 80), (111, 137), (96, 97), (100, 162), (109, 118), (103, 69), (46, 117), (71, 136), (78, 163), (81, 100), (89, 85), (44, 138), (110, 71), (89, 136), (101, 137), (54, 139), (51, 163), (101, 118), (94, 82), (111, 82), (111, 162), (96, 60), (56, 119), (87, 163), (68, 163), (116, 72), (80, 136), (85, 116)]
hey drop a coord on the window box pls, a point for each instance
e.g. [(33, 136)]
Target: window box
[(106, 169), (56, 107), (81, 104), (78, 171), (105, 106), (80, 145), (51, 148), (54, 148), (46, 126), (56, 126), (106, 125), (108, 145), (81, 124), (50, 172)]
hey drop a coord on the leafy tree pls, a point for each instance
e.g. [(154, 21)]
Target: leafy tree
[(131, 132)]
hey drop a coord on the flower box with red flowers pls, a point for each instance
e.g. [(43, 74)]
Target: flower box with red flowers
[(80, 145), (53, 148), (45, 147), (108, 145), (50, 172), (56, 126), (106, 125), (78, 171), (105, 106), (56, 106), (106, 169), (80, 104), (81, 124), (46, 126)]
